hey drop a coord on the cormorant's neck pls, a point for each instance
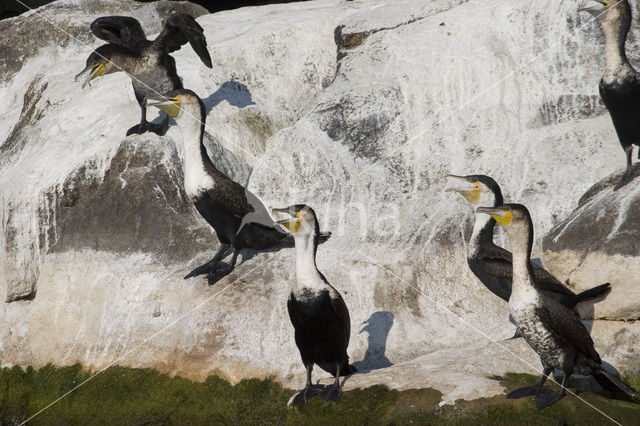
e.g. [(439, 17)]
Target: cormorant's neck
[(521, 245), (192, 125), (615, 37), (482, 233), (306, 270)]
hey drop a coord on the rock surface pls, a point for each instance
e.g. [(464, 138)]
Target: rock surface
[(357, 108)]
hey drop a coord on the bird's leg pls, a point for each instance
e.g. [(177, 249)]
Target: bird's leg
[(218, 273), (333, 393), (536, 389), (144, 125), (210, 265), (308, 392), (544, 399), (628, 150)]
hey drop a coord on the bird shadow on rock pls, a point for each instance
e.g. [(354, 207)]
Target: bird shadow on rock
[(378, 326), (236, 93)]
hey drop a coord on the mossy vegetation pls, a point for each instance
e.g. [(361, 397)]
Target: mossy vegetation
[(128, 396)]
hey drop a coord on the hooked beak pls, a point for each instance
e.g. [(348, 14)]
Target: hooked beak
[(459, 184), (171, 106), (292, 224), (502, 215), (597, 12), (91, 71)]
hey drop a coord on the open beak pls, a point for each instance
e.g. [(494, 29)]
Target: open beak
[(170, 106), (597, 12), (91, 71), (292, 224), (459, 184), (502, 215)]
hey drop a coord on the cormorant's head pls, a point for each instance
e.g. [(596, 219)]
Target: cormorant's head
[(514, 218), (303, 221), (104, 60), (181, 102), (617, 12), (479, 190)]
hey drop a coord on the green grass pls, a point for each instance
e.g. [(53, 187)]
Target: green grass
[(128, 396)]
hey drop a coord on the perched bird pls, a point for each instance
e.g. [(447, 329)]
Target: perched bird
[(620, 84), (238, 217), (552, 330), (317, 311), (152, 69), (491, 263)]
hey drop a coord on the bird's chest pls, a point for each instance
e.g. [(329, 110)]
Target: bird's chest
[(534, 331), (197, 182), (151, 77), (309, 306)]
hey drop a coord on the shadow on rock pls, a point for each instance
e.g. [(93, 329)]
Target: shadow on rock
[(237, 94), (378, 326)]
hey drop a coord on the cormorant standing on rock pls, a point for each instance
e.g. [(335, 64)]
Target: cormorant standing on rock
[(316, 309), (492, 264), (238, 216), (620, 84), (552, 330), (152, 70)]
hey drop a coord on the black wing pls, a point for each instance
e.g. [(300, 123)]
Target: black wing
[(231, 195), (180, 29), (122, 30), (499, 263), (566, 326), (341, 311)]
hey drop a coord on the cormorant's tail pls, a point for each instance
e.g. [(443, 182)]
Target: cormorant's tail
[(592, 293), (617, 387), (348, 370)]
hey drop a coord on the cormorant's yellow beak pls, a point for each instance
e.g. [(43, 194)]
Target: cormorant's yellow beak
[(94, 70), (597, 12), (292, 224), (469, 189), (170, 106), (502, 215)]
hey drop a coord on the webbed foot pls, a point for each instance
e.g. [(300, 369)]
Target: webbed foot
[(332, 393), (217, 274), (305, 395), (529, 391), (546, 399), (138, 129)]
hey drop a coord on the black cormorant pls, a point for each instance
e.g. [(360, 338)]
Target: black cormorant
[(238, 216), (316, 309), (491, 263), (620, 84), (152, 70), (552, 330)]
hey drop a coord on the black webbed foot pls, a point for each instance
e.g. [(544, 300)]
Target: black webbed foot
[(516, 335), (547, 398), (207, 268), (159, 129), (332, 393), (217, 274), (138, 129), (305, 395), (529, 391)]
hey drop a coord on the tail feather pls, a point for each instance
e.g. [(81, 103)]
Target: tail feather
[(592, 293), (616, 386)]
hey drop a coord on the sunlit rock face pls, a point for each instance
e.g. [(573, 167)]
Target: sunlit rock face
[(358, 109), (600, 241)]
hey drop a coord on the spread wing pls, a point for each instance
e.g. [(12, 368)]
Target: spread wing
[(122, 30), (180, 29), (565, 325)]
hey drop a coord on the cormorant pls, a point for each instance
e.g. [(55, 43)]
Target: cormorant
[(316, 309), (238, 216), (491, 263), (552, 330), (152, 69), (620, 84)]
